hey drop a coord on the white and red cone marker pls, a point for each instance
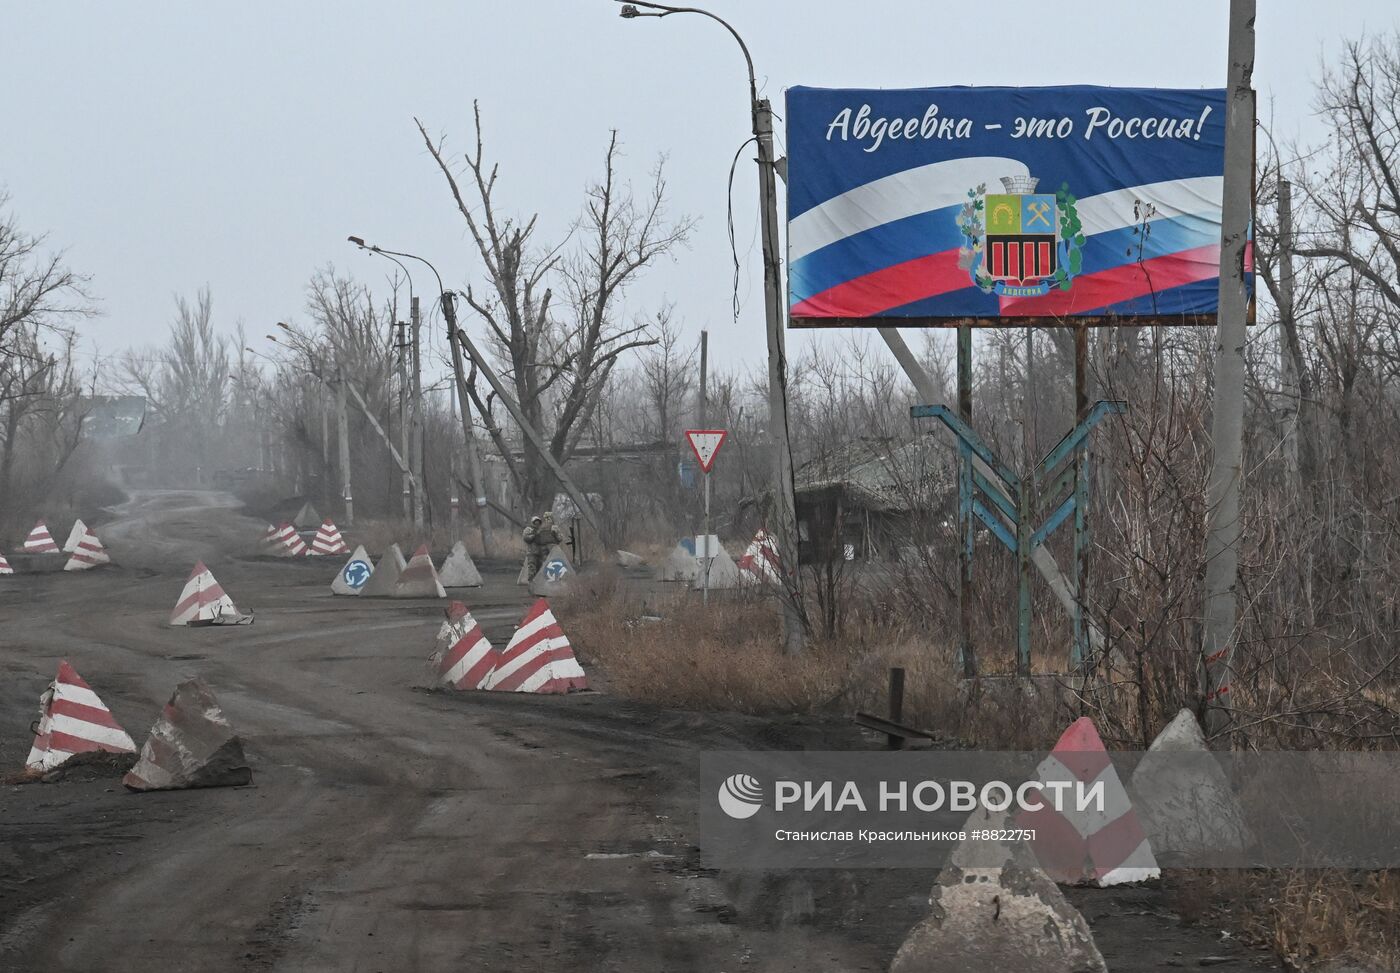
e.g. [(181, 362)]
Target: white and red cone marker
[(680, 565), (74, 536), (5, 565), (87, 553), (539, 658), (191, 745), (39, 541), (459, 570), (328, 540), (419, 578), (468, 658), (287, 543), (73, 719), (385, 575), (1089, 847), (203, 602), (760, 562)]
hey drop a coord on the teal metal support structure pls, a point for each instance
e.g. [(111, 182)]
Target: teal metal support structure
[(1054, 491)]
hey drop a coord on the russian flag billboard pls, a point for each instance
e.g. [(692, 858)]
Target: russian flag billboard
[(1004, 205)]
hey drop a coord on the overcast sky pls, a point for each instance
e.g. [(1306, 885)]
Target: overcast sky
[(170, 145)]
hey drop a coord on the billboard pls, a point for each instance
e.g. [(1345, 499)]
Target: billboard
[(929, 206)]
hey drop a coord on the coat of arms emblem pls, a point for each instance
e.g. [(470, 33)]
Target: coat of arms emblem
[(1020, 243)]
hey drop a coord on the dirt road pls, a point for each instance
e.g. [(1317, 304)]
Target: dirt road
[(390, 829)]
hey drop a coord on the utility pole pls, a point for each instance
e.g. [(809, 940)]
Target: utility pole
[(417, 422), (1288, 371), (784, 511), (453, 501), (1227, 418), (704, 380), (401, 345), (475, 468), (343, 431)]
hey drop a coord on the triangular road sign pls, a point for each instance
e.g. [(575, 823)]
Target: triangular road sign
[(706, 443)]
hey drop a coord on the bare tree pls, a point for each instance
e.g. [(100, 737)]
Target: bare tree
[(558, 359)]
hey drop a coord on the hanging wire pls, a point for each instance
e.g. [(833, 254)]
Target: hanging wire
[(733, 244)]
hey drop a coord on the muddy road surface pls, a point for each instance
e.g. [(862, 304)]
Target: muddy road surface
[(392, 829)]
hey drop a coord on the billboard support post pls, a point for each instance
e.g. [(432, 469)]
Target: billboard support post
[(966, 530), (1227, 412)]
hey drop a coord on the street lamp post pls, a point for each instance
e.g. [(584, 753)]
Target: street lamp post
[(783, 518), (474, 465)]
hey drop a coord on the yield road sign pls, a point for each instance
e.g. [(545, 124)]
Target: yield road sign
[(705, 443)]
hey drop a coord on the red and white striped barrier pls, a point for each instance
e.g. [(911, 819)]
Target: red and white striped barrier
[(203, 601), (5, 565), (419, 578), (328, 540), (87, 553), (268, 540), (39, 541), (74, 536), (760, 562), (1088, 847), (287, 543), (539, 658), (191, 745), (468, 658), (73, 719)]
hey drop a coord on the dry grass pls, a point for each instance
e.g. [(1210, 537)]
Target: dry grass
[(664, 648), (1309, 919)]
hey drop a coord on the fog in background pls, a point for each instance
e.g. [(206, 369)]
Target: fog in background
[(167, 146)]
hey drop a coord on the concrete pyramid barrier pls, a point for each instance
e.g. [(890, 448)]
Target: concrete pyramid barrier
[(1189, 811), (459, 570), (680, 565), (328, 540), (626, 559), (467, 658), (385, 575), (539, 658), (287, 543), (40, 541), (1001, 912), (555, 576), (352, 578), (74, 536), (204, 602), (73, 719), (87, 553), (760, 563), (1090, 847), (724, 573), (268, 542), (419, 579), (191, 745), (5, 565), (307, 518)]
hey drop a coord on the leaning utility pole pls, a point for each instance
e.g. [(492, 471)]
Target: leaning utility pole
[(343, 434), (475, 470), (783, 520), (418, 443), (1227, 414)]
